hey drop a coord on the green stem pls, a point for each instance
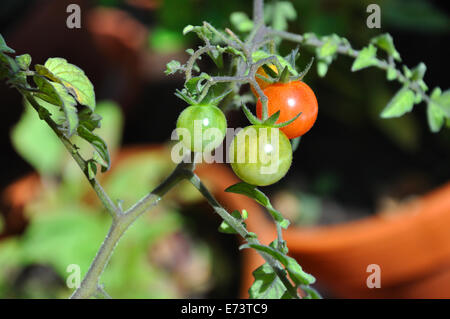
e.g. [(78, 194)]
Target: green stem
[(242, 231), (102, 195), (90, 282)]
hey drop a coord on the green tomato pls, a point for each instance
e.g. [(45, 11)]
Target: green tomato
[(201, 127), (260, 155)]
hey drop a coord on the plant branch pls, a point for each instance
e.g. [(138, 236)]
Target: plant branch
[(90, 284), (71, 148), (242, 231), (347, 50)]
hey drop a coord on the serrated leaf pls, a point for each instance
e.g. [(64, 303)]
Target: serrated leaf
[(74, 79), (252, 192), (99, 145), (328, 49), (366, 58), (279, 13), (4, 47), (386, 43), (23, 61), (400, 104), (241, 21), (267, 285)]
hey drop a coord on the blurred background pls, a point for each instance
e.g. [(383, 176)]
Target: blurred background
[(362, 190)]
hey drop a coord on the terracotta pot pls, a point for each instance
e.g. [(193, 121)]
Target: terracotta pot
[(410, 244)]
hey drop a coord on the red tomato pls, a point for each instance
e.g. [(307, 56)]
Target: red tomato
[(291, 98)]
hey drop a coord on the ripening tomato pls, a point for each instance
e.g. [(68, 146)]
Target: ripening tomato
[(291, 98), (263, 84), (201, 127), (260, 155)]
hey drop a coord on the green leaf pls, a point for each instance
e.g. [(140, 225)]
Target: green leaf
[(329, 48), (24, 61), (92, 169), (4, 47), (322, 68), (400, 104), (9, 63), (187, 29), (293, 268), (241, 21), (196, 84), (99, 145), (444, 102), (366, 58), (47, 92), (418, 72), (73, 79), (69, 108), (267, 285), (435, 116), (172, 67), (226, 228), (391, 73), (252, 192), (259, 55), (279, 13), (89, 119), (217, 58), (386, 43)]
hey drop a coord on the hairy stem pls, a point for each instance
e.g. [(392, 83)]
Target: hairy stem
[(90, 282), (242, 231), (106, 200)]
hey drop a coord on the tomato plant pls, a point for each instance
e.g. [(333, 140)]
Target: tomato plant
[(286, 108), (291, 99)]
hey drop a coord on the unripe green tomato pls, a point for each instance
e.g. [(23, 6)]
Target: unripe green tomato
[(260, 155), (201, 127)]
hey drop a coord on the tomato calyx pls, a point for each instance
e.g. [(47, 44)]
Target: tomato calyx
[(271, 121), (285, 75)]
